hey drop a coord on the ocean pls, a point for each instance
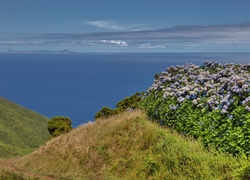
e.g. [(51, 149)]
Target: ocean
[(78, 85)]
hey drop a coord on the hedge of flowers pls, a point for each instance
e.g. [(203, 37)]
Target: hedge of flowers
[(209, 102)]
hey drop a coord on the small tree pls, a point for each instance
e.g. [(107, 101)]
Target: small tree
[(59, 125), (129, 102), (105, 112)]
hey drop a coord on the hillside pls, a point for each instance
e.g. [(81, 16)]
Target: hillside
[(126, 146), (21, 130)]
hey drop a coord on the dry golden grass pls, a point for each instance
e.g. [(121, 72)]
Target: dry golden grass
[(126, 146), (85, 146)]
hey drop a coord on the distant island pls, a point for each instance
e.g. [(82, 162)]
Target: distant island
[(39, 52)]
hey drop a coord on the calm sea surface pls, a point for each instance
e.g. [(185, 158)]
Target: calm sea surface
[(78, 85)]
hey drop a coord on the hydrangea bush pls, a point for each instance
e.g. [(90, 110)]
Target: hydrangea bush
[(210, 102)]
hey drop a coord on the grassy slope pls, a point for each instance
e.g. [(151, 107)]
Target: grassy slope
[(21, 130), (127, 146)]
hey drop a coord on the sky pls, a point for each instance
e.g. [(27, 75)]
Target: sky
[(125, 25)]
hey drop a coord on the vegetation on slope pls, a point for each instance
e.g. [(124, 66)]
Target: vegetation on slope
[(126, 146), (21, 130), (210, 102), (59, 125), (128, 103)]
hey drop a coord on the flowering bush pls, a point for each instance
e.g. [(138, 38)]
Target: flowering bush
[(210, 102)]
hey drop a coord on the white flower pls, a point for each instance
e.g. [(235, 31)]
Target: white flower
[(223, 111), (194, 102), (194, 83)]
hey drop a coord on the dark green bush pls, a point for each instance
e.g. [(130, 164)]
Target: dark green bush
[(59, 125), (105, 112), (128, 103), (225, 133)]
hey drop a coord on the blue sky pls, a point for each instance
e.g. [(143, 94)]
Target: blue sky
[(125, 26)]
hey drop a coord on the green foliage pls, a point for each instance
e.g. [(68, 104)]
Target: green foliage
[(21, 130), (244, 174), (129, 146), (59, 125), (105, 112), (227, 133), (157, 76), (210, 103), (128, 103)]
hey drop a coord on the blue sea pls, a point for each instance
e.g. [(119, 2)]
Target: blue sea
[(78, 85)]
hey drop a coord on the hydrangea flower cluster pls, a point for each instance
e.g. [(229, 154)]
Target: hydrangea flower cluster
[(214, 86)]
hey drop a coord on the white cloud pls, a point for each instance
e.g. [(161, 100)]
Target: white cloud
[(150, 46), (21, 42), (116, 42), (12, 42), (113, 25), (104, 24)]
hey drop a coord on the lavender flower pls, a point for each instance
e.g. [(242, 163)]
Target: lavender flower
[(218, 83)]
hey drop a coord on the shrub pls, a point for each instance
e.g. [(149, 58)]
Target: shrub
[(105, 112), (59, 125), (128, 103), (211, 102)]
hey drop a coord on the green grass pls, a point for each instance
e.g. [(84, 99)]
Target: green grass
[(21, 130), (127, 146)]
